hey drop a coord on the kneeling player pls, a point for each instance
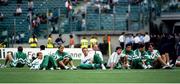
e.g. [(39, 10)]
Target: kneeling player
[(63, 58), (90, 61)]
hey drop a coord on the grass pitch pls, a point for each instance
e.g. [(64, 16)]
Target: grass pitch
[(24, 75)]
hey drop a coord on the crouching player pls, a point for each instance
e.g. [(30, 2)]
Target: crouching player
[(91, 61), (126, 56), (139, 58), (154, 58), (63, 59), (19, 59), (37, 62), (114, 59)]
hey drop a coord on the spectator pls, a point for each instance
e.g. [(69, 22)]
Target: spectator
[(141, 37), (146, 38), (19, 1), (30, 5), (1, 16), (59, 40), (84, 42), (68, 7), (93, 41), (33, 41), (136, 41), (4, 2), (71, 42), (83, 25), (18, 11), (122, 40), (127, 20), (50, 42)]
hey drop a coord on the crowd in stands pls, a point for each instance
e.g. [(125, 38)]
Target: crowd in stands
[(4, 2), (1, 16)]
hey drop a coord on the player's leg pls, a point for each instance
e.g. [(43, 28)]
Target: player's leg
[(61, 64), (98, 60), (71, 63), (44, 63), (53, 62), (167, 58), (136, 63), (8, 58), (149, 63)]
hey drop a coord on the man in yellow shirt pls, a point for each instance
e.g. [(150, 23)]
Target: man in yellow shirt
[(33, 41), (84, 42), (93, 41), (50, 42)]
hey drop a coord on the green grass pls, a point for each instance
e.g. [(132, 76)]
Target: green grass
[(24, 75)]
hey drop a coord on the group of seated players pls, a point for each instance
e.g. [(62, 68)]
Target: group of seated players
[(92, 59)]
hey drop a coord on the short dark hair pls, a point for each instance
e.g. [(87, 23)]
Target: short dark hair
[(141, 45), (71, 36), (60, 35), (42, 47), (20, 48), (150, 44), (128, 45), (117, 48)]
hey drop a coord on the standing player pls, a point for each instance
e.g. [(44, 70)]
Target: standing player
[(19, 59), (63, 58), (114, 59), (154, 58), (126, 56)]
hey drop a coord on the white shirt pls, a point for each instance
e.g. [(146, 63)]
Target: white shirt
[(18, 10), (146, 38), (136, 39), (121, 38), (87, 59), (44, 52), (114, 58), (66, 5), (36, 63)]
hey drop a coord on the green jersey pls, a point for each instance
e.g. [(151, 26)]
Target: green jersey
[(130, 54), (58, 55), (20, 55), (153, 55), (140, 54)]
